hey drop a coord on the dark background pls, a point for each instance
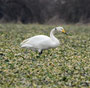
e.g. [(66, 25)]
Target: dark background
[(43, 11)]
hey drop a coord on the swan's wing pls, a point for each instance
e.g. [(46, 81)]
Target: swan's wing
[(34, 41), (41, 42)]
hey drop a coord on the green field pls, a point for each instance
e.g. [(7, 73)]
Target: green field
[(66, 66)]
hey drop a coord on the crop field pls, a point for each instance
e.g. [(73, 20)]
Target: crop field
[(67, 66)]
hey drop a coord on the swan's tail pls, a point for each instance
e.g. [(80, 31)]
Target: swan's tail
[(26, 46), (24, 42)]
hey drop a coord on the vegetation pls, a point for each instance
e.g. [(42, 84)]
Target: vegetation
[(41, 11), (64, 67)]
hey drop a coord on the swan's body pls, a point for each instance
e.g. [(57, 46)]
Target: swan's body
[(42, 42)]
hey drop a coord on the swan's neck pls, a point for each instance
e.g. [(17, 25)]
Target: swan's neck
[(53, 37)]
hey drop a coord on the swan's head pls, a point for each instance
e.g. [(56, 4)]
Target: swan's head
[(60, 29)]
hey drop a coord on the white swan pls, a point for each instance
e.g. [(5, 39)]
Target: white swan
[(42, 42)]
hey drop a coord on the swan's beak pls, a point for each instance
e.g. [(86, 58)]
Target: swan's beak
[(63, 31)]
